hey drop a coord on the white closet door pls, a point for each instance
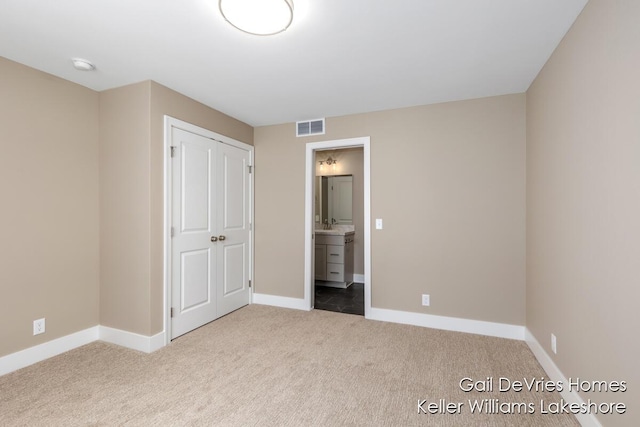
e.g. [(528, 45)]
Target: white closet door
[(194, 254), (211, 244), (233, 216)]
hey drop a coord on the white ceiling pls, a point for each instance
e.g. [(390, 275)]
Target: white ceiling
[(338, 57)]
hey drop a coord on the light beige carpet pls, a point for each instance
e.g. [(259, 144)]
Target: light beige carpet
[(265, 366)]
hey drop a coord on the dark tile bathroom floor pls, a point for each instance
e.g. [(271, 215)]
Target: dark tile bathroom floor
[(350, 300)]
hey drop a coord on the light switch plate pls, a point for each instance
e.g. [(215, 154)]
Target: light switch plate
[(379, 224)]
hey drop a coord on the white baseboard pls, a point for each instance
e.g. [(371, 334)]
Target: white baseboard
[(22, 359), (277, 301), (554, 373), (131, 340), (38, 353), (417, 319), (479, 327), (358, 278)]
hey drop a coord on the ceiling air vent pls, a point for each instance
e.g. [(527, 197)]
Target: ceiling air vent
[(310, 127)]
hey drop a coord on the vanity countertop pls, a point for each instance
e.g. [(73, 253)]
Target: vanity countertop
[(337, 230)]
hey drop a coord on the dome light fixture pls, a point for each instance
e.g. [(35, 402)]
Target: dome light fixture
[(258, 17), (82, 64)]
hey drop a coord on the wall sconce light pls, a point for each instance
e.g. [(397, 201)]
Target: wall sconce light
[(329, 161)]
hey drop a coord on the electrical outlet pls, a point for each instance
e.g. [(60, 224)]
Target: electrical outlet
[(38, 326), (553, 344), (425, 299)]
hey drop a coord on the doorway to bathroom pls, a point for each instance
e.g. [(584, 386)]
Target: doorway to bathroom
[(350, 292), (338, 228)]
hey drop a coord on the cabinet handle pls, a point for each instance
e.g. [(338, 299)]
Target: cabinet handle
[(334, 255), (214, 239), (221, 238)]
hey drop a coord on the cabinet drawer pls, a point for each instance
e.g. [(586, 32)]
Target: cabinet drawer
[(335, 254), (323, 239), (335, 272)]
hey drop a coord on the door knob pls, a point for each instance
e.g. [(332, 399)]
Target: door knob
[(214, 239), (221, 238)]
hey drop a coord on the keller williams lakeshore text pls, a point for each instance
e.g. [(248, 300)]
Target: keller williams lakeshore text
[(546, 405)]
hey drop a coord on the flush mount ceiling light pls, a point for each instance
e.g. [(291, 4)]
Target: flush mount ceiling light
[(259, 17), (82, 64)]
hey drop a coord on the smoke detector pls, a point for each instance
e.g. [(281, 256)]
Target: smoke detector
[(82, 64)]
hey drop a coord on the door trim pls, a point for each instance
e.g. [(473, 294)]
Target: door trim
[(170, 123), (309, 221)]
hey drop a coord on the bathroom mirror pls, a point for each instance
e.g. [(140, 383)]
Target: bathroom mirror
[(334, 199)]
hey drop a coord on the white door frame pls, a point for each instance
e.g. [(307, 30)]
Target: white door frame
[(169, 123), (309, 217)]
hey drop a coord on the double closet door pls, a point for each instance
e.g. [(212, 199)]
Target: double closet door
[(211, 229)]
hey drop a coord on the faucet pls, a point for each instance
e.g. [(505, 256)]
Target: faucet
[(326, 225)]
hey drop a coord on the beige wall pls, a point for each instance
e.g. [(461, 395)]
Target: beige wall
[(125, 240), (49, 215), (449, 182), (583, 200), (350, 162)]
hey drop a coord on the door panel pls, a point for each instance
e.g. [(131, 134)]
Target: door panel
[(194, 256), (233, 224), (195, 279), (234, 276), (234, 175), (196, 186)]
